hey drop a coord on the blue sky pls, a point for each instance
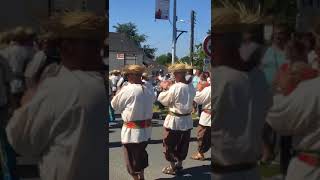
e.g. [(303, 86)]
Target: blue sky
[(141, 13)]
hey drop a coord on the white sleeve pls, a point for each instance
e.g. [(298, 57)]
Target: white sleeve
[(167, 97), (201, 96), (120, 100), (29, 130), (293, 114)]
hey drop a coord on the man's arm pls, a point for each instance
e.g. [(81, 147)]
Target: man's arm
[(28, 130), (294, 114)]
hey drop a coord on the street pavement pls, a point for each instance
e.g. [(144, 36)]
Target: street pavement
[(192, 169)]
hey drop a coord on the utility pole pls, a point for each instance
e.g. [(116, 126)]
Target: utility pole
[(192, 36), (174, 28)]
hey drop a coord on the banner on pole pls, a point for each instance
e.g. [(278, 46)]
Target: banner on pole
[(162, 9)]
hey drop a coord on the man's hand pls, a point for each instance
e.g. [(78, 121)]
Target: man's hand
[(28, 95)]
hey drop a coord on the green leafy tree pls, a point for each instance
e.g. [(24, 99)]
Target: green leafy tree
[(149, 52), (165, 59), (185, 59), (199, 56), (131, 30)]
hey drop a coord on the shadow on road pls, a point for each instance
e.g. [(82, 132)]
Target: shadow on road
[(196, 173), (159, 141)]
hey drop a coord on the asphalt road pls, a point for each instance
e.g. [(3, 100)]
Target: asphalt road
[(192, 169)]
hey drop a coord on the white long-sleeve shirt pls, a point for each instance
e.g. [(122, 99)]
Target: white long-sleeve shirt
[(179, 98), (298, 115), (135, 102), (204, 97), (240, 104), (64, 125)]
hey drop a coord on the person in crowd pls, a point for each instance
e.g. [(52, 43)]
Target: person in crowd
[(314, 57), (19, 54), (178, 123), (135, 101), (297, 68), (196, 78), (271, 62), (46, 56), (189, 75), (309, 42), (203, 82), (114, 77), (203, 97), (8, 159), (146, 80), (240, 92), (161, 76), (62, 121), (275, 56)]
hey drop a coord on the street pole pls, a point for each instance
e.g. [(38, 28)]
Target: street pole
[(192, 37), (174, 29)]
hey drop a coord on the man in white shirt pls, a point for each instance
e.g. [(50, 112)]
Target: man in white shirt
[(241, 99), (298, 115), (63, 121), (135, 102), (204, 128), (178, 123)]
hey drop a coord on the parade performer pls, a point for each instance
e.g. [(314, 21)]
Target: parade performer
[(135, 102), (297, 115), (63, 121), (203, 98), (178, 123), (241, 99)]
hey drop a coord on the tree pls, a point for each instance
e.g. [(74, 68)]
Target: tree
[(131, 30), (165, 59), (149, 52), (185, 59), (199, 56)]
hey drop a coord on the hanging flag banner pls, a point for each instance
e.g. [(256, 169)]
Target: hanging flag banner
[(162, 9)]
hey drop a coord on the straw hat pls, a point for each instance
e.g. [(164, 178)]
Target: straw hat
[(134, 69), (21, 33), (78, 25), (47, 36), (5, 37), (234, 18), (145, 75), (179, 67)]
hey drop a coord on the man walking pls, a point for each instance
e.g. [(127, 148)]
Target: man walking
[(204, 128), (135, 102), (178, 123)]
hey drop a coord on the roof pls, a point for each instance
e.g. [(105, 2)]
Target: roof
[(119, 42)]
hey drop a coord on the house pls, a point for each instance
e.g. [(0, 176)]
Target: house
[(123, 51)]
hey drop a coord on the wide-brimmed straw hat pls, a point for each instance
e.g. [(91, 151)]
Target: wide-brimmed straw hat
[(178, 67), (21, 33), (134, 69), (78, 25), (234, 18)]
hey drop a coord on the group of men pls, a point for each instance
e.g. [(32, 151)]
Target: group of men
[(54, 89), (135, 102), (244, 99)]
